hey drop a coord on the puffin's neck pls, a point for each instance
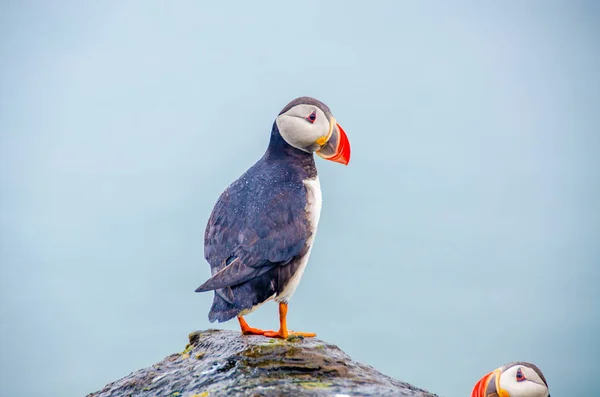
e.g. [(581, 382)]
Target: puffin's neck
[(280, 150)]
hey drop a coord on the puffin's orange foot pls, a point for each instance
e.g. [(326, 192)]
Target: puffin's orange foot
[(248, 330), (284, 335), (275, 334), (253, 331), (283, 332)]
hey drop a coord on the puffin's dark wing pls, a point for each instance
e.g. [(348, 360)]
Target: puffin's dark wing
[(255, 226)]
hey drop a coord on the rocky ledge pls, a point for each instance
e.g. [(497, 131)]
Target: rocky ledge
[(225, 363)]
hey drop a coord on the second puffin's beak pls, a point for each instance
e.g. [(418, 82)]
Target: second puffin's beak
[(335, 147), (488, 386)]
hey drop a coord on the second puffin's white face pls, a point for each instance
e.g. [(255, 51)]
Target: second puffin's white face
[(522, 381), (302, 126)]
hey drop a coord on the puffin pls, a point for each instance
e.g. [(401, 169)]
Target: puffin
[(516, 379), (261, 230)]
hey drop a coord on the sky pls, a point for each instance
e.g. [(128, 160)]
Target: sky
[(463, 235)]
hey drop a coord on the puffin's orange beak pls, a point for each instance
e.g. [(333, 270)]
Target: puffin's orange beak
[(336, 146), (489, 386), (481, 386)]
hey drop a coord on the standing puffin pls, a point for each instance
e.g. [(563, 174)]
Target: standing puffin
[(517, 379), (261, 230)]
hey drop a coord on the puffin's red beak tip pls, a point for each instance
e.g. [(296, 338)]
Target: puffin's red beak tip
[(480, 387), (342, 154)]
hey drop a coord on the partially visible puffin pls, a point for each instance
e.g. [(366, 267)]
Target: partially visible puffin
[(517, 379), (261, 230)]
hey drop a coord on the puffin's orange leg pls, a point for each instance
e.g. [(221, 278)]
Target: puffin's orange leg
[(283, 331), (248, 330)]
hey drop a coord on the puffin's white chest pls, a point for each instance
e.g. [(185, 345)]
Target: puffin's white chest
[(313, 213), (314, 200)]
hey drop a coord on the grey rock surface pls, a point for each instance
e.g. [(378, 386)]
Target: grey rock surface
[(226, 363)]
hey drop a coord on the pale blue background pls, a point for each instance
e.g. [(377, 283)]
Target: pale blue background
[(463, 235)]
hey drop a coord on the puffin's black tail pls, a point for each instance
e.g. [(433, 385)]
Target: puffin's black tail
[(229, 302), (221, 310)]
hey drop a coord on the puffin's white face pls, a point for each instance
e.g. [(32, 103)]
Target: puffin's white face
[(303, 125), (522, 381)]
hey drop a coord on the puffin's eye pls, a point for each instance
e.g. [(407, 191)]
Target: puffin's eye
[(312, 117), (520, 376)]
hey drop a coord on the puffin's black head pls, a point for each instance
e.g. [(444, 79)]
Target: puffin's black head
[(307, 124)]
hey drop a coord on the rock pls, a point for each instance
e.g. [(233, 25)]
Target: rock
[(225, 363)]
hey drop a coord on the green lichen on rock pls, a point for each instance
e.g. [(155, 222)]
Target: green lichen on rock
[(315, 385), (295, 338), (224, 363), (188, 349)]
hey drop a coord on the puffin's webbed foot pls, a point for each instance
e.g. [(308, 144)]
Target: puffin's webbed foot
[(248, 330), (283, 331), (284, 334)]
